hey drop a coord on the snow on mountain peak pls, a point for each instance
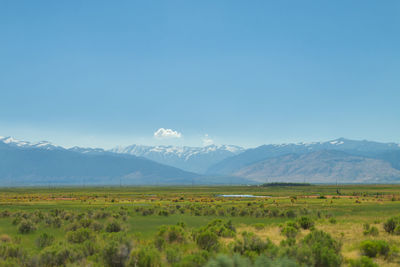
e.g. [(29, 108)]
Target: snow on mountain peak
[(25, 144)]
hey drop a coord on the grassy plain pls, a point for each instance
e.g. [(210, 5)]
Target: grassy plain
[(340, 211)]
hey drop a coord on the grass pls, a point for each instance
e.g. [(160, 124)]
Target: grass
[(354, 206)]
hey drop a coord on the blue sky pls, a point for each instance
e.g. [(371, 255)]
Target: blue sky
[(106, 73)]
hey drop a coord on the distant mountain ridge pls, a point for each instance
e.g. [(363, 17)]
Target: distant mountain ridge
[(343, 160), (320, 167), (250, 156), (24, 163), (194, 159)]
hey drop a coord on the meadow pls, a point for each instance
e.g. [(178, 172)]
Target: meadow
[(315, 225)]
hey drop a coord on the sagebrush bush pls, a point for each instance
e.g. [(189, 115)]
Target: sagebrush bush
[(305, 222), (113, 227), (145, 256), (44, 240), (115, 254), (208, 240), (80, 235), (26, 227), (373, 248), (229, 261), (318, 249), (391, 224), (362, 262)]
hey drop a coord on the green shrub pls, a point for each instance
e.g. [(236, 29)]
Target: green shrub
[(196, 259), (115, 254), (220, 228), (370, 230), (172, 233), (26, 227), (229, 261), (113, 227), (319, 249), (80, 235), (252, 245), (363, 262), (259, 226), (391, 224), (146, 257), (332, 220), (207, 240), (373, 248), (12, 251), (44, 240), (58, 256), (173, 255), (289, 231), (305, 222)]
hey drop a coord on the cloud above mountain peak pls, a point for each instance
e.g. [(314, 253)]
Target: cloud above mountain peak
[(167, 133)]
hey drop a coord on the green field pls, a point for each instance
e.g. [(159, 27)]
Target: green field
[(315, 225)]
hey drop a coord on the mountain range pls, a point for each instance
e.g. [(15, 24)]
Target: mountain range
[(341, 160), (193, 159)]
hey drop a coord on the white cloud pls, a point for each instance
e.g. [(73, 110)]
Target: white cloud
[(207, 141), (167, 133)]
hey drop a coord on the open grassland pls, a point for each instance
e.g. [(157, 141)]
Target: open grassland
[(318, 225)]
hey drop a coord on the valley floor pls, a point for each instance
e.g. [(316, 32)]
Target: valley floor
[(313, 225)]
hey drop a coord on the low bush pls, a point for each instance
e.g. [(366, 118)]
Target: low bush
[(208, 240), (373, 248), (229, 261), (44, 240), (145, 256), (26, 227), (370, 230), (362, 262), (391, 224), (113, 227), (305, 222), (116, 255), (79, 236)]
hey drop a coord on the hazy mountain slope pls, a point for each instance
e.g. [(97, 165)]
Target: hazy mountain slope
[(325, 166), (31, 165), (251, 156), (194, 159)]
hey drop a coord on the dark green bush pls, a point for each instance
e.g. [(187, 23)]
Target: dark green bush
[(391, 224), (26, 227), (373, 248), (173, 255), (220, 228), (289, 231), (305, 222), (113, 227), (229, 261), (252, 245), (80, 235), (172, 233), (44, 240), (196, 259), (115, 254), (363, 262), (58, 255), (207, 240), (318, 249)]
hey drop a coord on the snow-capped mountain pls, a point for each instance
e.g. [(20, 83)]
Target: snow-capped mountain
[(194, 159), (25, 144)]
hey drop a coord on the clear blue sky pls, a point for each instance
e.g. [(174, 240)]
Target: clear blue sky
[(105, 73)]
